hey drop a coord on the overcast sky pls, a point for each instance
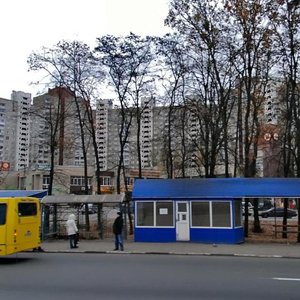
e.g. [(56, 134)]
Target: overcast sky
[(28, 25)]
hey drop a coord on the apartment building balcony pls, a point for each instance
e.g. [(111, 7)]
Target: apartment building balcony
[(45, 186), (80, 190)]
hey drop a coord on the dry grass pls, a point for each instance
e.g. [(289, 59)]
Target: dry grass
[(270, 235)]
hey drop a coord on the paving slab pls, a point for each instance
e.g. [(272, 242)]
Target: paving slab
[(275, 250)]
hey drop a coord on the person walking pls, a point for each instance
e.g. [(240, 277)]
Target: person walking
[(117, 230), (72, 231)]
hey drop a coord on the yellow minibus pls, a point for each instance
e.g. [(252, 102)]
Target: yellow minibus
[(20, 224)]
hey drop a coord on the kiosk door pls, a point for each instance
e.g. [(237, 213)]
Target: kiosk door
[(182, 221)]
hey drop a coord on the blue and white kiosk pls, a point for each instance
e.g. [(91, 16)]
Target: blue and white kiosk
[(200, 210)]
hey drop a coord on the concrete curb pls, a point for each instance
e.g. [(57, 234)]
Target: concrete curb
[(169, 253)]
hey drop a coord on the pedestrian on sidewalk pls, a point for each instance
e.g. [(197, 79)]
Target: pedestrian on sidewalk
[(117, 230), (72, 231)]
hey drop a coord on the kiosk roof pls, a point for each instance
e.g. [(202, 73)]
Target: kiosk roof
[(204, 188)]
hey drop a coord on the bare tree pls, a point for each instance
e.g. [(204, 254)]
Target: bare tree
[(127, 61), (115, 53), (53, 112), (252, 45), (201, 23), (173, 71), (141, 85), (286, 24), (51, 116), (71, 64)]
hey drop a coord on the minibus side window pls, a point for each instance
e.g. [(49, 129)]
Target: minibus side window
[(27, 209), (2, 213)]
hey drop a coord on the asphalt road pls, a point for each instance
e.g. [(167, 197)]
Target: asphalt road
[(121, 276)]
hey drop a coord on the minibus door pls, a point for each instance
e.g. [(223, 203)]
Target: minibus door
[(3, 209), (27, 229)]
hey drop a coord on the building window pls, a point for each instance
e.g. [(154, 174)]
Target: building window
[(211, 214), (46, 179), (80, 180), (181, 207), (164, 214), (105, 180), (46, 182), (221, 214), (200, 214), (129, 180), (237, 214), (155, 214), (145, 213)]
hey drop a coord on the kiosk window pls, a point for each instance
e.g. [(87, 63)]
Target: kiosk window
[(200, 214), (145, 213), (27, 209), (221, 214), (164, 214), (2, 214), (237, 214)]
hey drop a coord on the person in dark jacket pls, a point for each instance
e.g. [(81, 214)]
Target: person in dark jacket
[(117, 230)]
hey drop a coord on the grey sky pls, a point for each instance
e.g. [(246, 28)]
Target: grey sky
[(29, 25)]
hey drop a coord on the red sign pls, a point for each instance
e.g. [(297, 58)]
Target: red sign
[(4, 166)]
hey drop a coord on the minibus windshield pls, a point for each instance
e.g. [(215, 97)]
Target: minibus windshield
[(2, 213)]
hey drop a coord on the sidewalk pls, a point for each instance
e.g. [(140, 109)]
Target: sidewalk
[(275, 250)]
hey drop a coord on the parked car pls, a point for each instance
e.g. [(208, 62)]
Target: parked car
[(278, 212), (91, 207), (265, 204)]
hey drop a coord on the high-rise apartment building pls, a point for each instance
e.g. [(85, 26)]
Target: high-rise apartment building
[(108, 118), (26, 131), (153, 136), (8, 121), (23, 101), (54, 121), (271, 105), (147, 132), (103, 131), (15, 130)]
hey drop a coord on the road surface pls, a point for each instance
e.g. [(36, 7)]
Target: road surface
[(46, 276)]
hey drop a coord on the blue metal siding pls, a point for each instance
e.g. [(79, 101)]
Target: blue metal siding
[(186, 189), (198, 235), (217, 235), (155, 234)]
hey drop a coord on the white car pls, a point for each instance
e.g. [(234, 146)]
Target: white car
[(250, 208), (91, 207)]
